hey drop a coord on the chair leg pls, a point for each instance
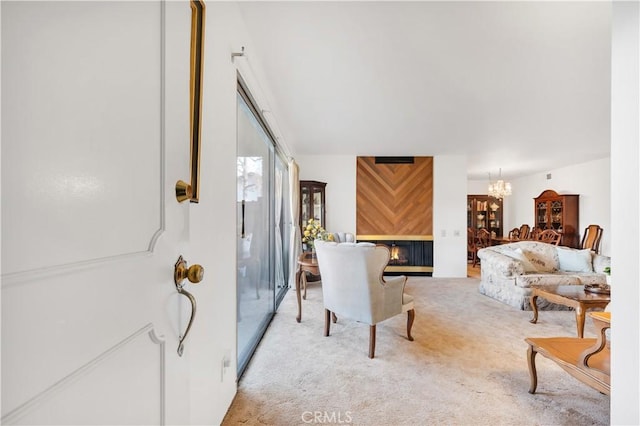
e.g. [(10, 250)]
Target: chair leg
[(327, 322), (411, 315), (372, 340)]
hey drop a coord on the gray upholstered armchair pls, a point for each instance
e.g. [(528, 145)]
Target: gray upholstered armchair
[(353, 286)]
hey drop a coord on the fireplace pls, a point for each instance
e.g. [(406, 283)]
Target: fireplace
[(409, 255)]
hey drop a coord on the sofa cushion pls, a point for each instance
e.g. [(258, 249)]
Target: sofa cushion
[(517, 254), (572, 260), (541, 280)]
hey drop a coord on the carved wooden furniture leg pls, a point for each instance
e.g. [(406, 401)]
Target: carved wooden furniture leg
[(580, 314), (304, 285), (327, 322), (334, 317), (372, 340), (298, 278), (534, 308), (411, 315), (531, 358)]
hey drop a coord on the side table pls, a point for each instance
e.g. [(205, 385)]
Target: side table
[(306, 263)]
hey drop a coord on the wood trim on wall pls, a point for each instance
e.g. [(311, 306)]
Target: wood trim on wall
[(394, 199)]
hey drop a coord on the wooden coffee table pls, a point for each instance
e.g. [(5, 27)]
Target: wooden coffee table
[(573, 296)]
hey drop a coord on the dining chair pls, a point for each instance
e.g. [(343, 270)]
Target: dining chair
[(471, 245), (514, 234), (353, 286), (482, 240), (524, 231), (591, 238), (550, 236), (534, 234)]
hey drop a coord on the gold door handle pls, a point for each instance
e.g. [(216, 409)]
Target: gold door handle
[(186, 191), (194, 274)]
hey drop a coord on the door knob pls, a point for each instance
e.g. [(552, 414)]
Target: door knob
[(193, 273)]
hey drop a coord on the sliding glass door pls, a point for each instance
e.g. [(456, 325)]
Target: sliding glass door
[(263, 225)]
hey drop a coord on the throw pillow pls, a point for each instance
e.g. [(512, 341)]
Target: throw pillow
[(575, 260), (518, 254), (540, 261)]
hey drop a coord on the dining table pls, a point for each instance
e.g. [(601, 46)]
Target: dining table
[(503, 240)]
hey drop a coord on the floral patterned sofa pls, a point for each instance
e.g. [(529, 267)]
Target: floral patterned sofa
[(509, 271)]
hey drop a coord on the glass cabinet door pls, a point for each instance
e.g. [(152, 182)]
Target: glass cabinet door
[(318, 203), (541, 215), (305, 202), (481, 214), (495, 217), (556, 215), (312, 202)]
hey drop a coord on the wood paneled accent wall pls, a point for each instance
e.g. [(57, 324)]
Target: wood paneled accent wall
[(394, 199)]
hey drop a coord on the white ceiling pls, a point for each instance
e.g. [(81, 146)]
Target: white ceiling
[(522, 86)]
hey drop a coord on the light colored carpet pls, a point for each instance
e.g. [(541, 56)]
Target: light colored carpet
[(466, 366)]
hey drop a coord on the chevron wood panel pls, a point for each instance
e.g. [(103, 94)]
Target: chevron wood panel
[(394, 199)]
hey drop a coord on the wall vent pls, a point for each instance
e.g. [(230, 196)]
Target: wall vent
[(394, 160)]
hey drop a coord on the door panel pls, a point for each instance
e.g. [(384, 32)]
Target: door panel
[(104, 389), (95, 135), (66, 86)]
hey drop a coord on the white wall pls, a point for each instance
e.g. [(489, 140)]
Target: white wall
[(591, 180), (625, 180), (339, 173), (213, 219), (449, 215)]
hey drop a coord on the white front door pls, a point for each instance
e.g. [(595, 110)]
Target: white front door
[(95, 134)]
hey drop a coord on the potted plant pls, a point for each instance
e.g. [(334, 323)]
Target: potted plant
[(607, 272)]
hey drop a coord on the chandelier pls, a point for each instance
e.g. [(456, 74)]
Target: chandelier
[(499, 189)]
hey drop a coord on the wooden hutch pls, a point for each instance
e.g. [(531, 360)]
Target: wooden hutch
[(484, 211), (560, 213), (312, 202)]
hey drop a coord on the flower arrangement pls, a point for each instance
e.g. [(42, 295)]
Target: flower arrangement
[(314, 231)]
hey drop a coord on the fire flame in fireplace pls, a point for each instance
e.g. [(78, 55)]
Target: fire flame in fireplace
[(395, 253)]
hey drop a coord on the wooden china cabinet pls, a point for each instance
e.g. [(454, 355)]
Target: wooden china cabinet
[(560, 213), (485, 212), (312, 202)]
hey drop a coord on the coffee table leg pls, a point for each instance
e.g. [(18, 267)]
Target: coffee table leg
[(534, 308), (580, 315), (298, 277), (533, 375)]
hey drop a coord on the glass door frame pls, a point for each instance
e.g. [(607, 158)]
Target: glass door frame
[(270, 275)]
